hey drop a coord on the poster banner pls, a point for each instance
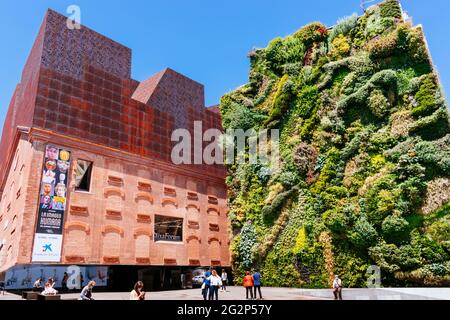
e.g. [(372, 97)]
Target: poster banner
[(52, 205), (24, 276)]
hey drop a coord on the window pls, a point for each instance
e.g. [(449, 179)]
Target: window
[(83, 175), (168, 229)]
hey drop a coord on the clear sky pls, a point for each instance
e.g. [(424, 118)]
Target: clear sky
[(207, 40)]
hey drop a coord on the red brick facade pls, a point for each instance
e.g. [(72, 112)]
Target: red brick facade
[(76, 92)]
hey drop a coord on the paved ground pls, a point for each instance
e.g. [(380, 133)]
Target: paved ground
[(238, 293), (233, 293)]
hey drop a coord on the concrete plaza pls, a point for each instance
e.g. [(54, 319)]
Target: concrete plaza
[(238, 293)]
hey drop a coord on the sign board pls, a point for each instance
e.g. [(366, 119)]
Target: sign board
[(52, 205)]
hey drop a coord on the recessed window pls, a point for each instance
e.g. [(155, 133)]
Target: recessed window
[(168, 229), (83, 175)]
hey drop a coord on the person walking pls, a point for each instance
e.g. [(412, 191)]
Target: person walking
[(137, 293), (64, 282), (207, 284), (215, 283), (248, 284), (81, 280), (257, 284), (224, 277), (86, 293), (182, 279), (337, 288)]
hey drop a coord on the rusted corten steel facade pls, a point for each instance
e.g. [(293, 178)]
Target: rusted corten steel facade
[(76, 93)]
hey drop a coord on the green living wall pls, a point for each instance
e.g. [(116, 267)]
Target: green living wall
[(365, 157)]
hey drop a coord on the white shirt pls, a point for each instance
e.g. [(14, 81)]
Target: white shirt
[(49, 291), (134, 295), (215, 280), (337, 283)]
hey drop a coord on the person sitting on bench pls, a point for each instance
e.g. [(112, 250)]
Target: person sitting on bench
[(37, 284), (49, 290)]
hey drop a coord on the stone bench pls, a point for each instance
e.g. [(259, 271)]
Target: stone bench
[(30, 295), (48, 297)]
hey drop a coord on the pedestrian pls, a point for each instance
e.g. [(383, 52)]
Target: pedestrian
[(215, 283), (337, 288), (204, 292), (224, 277), (64, 282), (248, 284), (37, 284), (86, 293), (257, 284), (137, 293), (49, 289), (207, 283), (182, 278), (81, 280)]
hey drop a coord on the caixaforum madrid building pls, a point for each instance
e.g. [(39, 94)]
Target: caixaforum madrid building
[(86, 173)]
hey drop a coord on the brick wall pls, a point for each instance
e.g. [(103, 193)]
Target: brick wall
[(77, 92)]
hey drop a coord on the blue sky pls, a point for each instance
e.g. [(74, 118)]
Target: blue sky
[(206, 40)]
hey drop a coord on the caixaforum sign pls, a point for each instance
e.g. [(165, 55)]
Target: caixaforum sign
[(52, 205)]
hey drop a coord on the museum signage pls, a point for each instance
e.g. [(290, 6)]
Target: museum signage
[(52, 205), (168, 229)]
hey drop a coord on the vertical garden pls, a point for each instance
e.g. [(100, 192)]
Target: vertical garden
[(365, 157)]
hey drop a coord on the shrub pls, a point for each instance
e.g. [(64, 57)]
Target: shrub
[(411, 45), (363, 234), (343, 27), (247, 244), (270, 212), (390, 9), (385, 256), (432, 127), (360, 32), (288, 179), (281, 100), (425, 98), (300, 241), (378, 103), (305, 157), (307, 101), (294, 50), (275, 54), (405, 78), (376, 24), (394, 229), (383, 47), (340, 47), (436, 153), (385, 78), (240, 117), (314, 32), (439, 231), (335, 220)]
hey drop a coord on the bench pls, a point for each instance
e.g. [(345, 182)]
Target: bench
[(30, 295), (48, 297)]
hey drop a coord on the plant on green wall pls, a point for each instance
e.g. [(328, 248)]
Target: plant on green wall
[(247, 244), (364, 140)]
